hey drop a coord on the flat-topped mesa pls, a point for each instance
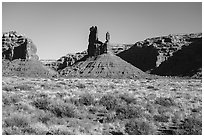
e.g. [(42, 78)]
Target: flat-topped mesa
[(95, 46)]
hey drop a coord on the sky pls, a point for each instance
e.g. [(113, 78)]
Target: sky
[(58, 28)]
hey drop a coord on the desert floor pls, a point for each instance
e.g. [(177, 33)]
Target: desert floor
[(101, 106)]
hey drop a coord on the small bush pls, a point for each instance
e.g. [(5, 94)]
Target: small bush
[(44, 116), (61, 109), (8, 88), (86, 99), (41, 103), (163, 101), (37, 129), (127, 98), (80, 85), (9, 99), (59, 130), (23, 87), (128, 112), (17, 119), (109, 101), (161, 118), (140, 127), (12, 131), (24, 106), (190, 126)]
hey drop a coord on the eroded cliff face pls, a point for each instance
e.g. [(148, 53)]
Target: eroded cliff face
[(19, 57), (17, 46), (172, 55)]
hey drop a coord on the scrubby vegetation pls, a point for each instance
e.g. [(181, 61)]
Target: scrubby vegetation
[(93, 107)]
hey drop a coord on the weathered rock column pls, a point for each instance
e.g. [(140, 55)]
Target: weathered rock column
[(105, 46), (93, 38)]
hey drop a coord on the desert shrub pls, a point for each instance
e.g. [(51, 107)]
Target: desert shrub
[(190, 126), (57, 121), (109, 101), (41, 103), (140, 127), (72, 100), (24, 106), (61, 109), (17, 120), (128, 112), (161, 118), (164, 101), (9, 99), (12, 131), (150, 108), (80, 85), (127, 98), (59, 130), (42, 95), (97, 109), (23, 87), (37, 129), (44, 116), (178, 117), (86, 99), (8, 88)]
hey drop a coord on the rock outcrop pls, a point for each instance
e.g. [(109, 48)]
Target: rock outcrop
[(172, 55), (95, 46), (20, 59), (17, 46), (100, 62)]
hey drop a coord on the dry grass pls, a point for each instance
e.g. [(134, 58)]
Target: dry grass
[(33, 106)]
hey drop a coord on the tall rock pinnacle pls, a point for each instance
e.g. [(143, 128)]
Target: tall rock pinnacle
[(107, 36), (95, 46)]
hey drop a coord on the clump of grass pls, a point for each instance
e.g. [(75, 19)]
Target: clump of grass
[(86, 99), (9, 99), (127, 98), (59, 130), (164, 101), (17, 120), (8, 88), (161, 118), (61, 109), (12, 131), (128, 112), (109, 101), (37, 129), (24, 106), (190, 126), (80, 85), (140, 127), (44, 116), (41, 103), (23, 87)]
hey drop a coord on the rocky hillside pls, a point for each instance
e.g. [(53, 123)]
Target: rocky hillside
[(20, 58), (26, 68), (95, 47), (172, 55), (101, 62), (70, 59), (103, 66)]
